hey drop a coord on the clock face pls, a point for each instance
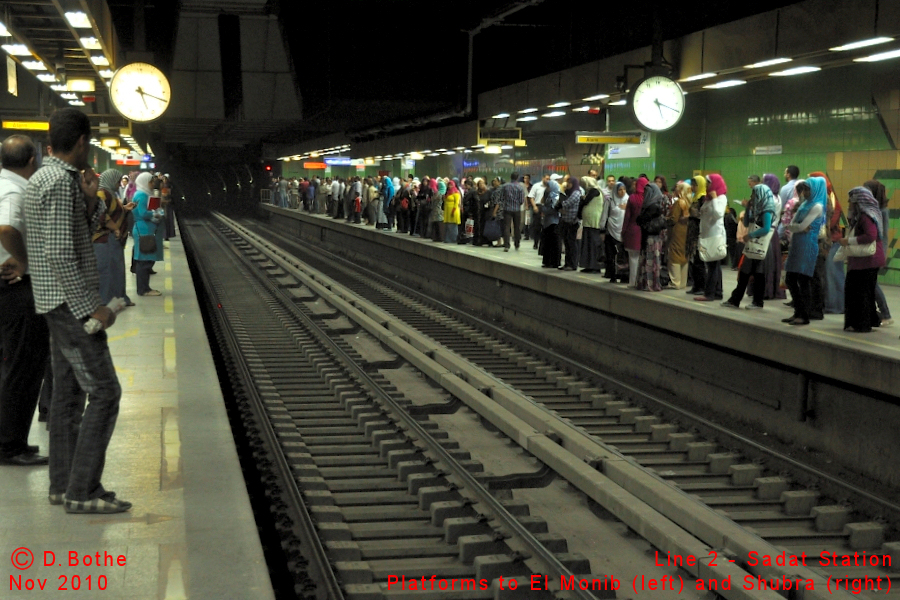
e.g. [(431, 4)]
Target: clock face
[(140, 92), (657, 103)]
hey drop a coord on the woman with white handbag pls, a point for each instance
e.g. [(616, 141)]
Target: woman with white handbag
[(865, 256), (712, 244), (758, 218)]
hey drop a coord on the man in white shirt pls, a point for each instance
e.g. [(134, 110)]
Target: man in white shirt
[(535, 197), (24, 338)]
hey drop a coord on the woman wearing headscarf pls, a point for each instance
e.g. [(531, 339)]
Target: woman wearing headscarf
[(804, 251), (696, 269), (107, 248), (384, 203), (833, 282), (712, 227), (436, 219), (677, 222), (146, 224), (592, 213), (485, 206), (615, 210), (773, 260), (827, 239), (568, 222), (761, 212), (631, 231), (550, 220), (652, 222), (451, 213), (862, 271), (880, 194)]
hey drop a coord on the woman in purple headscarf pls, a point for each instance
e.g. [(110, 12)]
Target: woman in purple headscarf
[(773, 256)]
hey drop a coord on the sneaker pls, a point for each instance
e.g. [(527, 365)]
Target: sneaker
[(753, 307), (105, 504), (887, 322), (506, 249), (728, 304), (56, 499), (153, 293)]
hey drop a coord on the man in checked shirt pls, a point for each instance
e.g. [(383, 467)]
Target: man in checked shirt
[(61, 211)]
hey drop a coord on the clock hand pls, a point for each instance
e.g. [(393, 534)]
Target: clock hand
[(658, 103), (154, 97)]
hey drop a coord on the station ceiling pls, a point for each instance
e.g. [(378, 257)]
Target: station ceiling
[(355, 67)]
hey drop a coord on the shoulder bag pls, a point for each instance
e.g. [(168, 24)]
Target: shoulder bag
[(757, 248), (855, 250), (147, 244), (713, 248)]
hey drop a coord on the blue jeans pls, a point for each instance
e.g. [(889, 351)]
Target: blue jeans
[(451, 232), (834, 283), (81, 365)]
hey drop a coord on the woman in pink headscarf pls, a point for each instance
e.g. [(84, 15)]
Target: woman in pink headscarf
[(631, 231), (712, 232)]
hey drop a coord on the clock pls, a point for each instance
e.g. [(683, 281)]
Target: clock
[(140, 92), (657, 103)]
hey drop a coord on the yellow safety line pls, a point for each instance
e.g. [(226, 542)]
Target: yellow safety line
[(169, 355), (168, 266), (169, 306), (168, 284), (127, 334)]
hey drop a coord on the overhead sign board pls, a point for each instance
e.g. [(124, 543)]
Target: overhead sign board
[(767, 150), (607, 137), (314, 165), (27, 125), (337, 161), (632, 150)]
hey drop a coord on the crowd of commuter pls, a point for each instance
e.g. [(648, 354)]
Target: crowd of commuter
[(793, 236), (63, 234)]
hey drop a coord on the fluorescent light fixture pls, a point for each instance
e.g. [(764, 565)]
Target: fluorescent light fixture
[(432, 154), (287, 159), (559, 105), (492, 150), (16, 49), (110, 142), (622, 102), (449, 152), (59, 87), (48, 77), (699, 77), (768, 63), (555, 113), (468, 151), (862, 44), (3, 30), (584, 108), (441, 150), (532, 118), (76, 102), (478, 146), (506, 147), (425, 152), (795, 71), (34, 65), (81, 85), (122, 151), (724, 84), (69, 96), (100, 60), (460, 148), (525, 111), (78, 19), (597, 97), (501, 116), (877, 57), (106, 73), (90, 43), (415, 156)]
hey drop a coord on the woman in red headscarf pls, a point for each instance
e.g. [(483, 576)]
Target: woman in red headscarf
[(631, 231)]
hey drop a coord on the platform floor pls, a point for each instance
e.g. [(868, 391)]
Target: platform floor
[(830, 331), (191, 533)]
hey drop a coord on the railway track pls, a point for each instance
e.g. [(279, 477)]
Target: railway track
[(745, 510)]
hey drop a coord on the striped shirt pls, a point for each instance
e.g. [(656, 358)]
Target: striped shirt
[(60, 254), (512, 196)]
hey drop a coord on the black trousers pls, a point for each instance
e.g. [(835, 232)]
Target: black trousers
[(859, 300), (817, 289), (25, 343), (755, 269), (800, 286), (569, 234), (513, 218), (612, 247), (536, 228), (550, 246), (713, 287)]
